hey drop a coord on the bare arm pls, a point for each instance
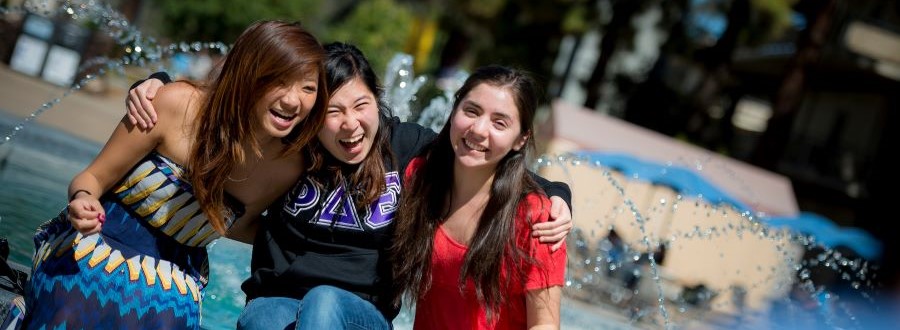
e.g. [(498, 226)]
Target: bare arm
[(542, 308), (126, 146), (141, 112)]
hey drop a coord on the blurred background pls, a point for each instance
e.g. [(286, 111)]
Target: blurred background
[(804, 89)]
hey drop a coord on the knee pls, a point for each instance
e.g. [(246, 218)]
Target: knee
[(323, 303), (325, 295), (269, 313)]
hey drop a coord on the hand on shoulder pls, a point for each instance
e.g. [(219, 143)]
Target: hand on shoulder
[(176, 99)]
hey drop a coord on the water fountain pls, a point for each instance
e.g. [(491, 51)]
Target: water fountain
[(658, 251)]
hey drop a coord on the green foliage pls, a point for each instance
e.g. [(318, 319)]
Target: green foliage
[(770, 19), (224, 20), (380, 28)]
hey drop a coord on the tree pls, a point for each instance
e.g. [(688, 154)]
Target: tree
[(380, 28), (224, 20)]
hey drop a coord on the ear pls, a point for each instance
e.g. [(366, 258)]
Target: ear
[(521, 141)]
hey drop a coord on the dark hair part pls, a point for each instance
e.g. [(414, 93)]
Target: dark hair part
[(424, 204), (266, 55), (365, 181)]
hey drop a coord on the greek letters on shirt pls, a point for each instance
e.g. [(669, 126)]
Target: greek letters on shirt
[(342, 211)]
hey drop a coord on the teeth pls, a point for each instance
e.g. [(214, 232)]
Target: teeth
[(281, 115), (352, 140), (473, 147)]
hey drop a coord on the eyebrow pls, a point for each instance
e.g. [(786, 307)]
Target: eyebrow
[(364, 96), (495, 114)]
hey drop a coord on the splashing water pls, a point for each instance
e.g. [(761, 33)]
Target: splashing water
[(401, 86), (140, 51), (651, 254)]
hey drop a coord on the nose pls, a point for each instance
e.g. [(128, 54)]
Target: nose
[(351, 121), (479, 128), (292, 100)]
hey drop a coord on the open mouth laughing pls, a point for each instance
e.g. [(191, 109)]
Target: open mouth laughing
[(352, 142), (473, 146)]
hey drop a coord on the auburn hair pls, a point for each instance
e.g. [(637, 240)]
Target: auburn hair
[(266, 55), (426, 197)]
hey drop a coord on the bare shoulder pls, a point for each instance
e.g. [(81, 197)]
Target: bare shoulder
[(176, 99)]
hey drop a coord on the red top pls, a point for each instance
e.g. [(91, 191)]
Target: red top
[(445, 307)]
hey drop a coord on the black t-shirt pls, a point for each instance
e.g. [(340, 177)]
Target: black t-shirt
[(315, 237)]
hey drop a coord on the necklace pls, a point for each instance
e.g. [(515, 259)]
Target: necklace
[(255, 165), (236, 180)]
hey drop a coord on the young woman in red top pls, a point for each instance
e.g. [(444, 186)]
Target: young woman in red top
[(463, 248)]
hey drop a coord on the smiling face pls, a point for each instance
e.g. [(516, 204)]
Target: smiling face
[(485, 126), (282, 107), (351, 122)]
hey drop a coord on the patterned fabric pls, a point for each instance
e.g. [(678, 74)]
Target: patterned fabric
[(146, 269), (12, 314)]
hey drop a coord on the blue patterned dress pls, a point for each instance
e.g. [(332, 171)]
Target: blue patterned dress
[(146, 269)]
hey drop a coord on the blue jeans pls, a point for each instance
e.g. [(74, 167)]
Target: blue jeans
[(323, 307)]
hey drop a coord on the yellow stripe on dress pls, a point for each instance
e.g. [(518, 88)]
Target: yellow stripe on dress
[(100, 254), (144, 188), (134, 268), (149, 270), (85, 245), (212, 235), (195, 292), (178, 278), (201, 234), (181, 218), (115, 259), (164, 269), (191, 228), (137, 175), (169, 210), (159, 198), (66, 244)]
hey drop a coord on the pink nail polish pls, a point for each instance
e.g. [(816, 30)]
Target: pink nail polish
[(101, 217)]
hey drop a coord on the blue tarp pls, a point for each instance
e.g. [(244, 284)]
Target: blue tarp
[(690, 184)]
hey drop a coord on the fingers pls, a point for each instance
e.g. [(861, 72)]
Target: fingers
[(554, 236), (146, 104), (86, 225), (86, 217), (551, 231), (557, 245), (136, 107), (153, 85), (133, 116), (555, 206)]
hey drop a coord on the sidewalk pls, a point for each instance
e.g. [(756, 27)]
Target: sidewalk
[(88, 115)]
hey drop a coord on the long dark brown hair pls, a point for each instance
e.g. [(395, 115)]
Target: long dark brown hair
[(266, 55), (424, 205), (363, 181)]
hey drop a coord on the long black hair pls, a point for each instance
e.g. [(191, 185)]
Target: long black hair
[(424, 205), (363, 181)]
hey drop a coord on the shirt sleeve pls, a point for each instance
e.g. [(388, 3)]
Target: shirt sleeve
[(554, 188), (161, 76), (548, 268), (408, 139)]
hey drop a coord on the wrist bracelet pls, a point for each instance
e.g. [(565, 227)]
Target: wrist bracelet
[(75, 194)]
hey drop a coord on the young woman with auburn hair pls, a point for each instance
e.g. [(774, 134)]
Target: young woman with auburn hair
[(464, 251), (130, 250)]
